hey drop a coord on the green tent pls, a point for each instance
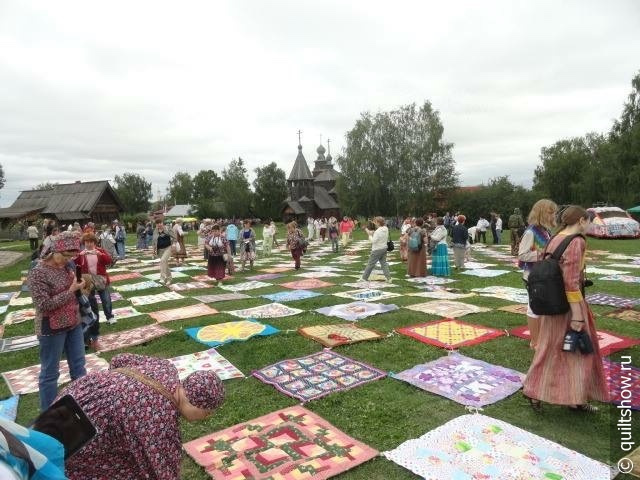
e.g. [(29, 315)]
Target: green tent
[(634, 209)]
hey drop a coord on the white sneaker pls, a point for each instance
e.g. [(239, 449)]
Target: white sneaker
[(112, 321)]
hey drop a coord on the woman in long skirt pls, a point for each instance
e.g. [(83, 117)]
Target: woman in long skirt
[(555, 376), (404, 238), (440, 258), (417, 261), (180, 252), (218, 248)]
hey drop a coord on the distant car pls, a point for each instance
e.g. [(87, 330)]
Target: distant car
[(613, 222)]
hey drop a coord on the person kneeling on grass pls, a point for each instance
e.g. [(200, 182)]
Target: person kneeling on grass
[(379, 240), (136, 406)]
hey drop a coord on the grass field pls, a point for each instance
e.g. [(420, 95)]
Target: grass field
[(384, 413)]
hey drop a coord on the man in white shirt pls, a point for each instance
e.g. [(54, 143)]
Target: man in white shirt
[(498, 228), (482, 226), (32, 233)]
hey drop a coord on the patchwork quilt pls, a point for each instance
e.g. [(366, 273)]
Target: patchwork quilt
[(621, 278), (221, 333), (18, 343), (181, 287), (369, 285), (623, 377), (317, 375), (450, 334), (265, 276), (367, 295), (289, 444), (115, 296), (431, 280), (19, 316), (174, 275), (306, 284), (356, 310), (442, 295), (446, 308), (464, 380), (484, 273), (222, 297), (151, 299), (20, 301), (240, 287), (624, 314), (511, 294), (122, 313), (181, 313), (271, 310), (342, 334), (517, 308), (129, 338), (313, 274), (481, 447), (6, 296), (604, 271), (291, 295), (133, 287), (125, 276), (208, 360), (613, 300)]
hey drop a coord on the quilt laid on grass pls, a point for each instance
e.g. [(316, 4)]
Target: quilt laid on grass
[(241, 287), (6, 296), (19, 316), (151, 299), (485, 273), (478, 265), (20, 301), (621, 278), (316, 375), (442, 295), (431, 280), (222, 297), (265, 276), (517, 308), (450, 333), (18, 343), (604, 271), (306, 284), (181, 287), (25, 380), (464, 380), (291, 295), (356, 310), (125, 276), (446, 308), (624, 314), (369, 285), (221, 333), (271, 310), (174, 275), (289, 444), (480, 447), (342, 334), (505, 293), (11, 283), (613, 300), (134, 287), (313, 274), (121, 313), (129, 338), (277, 269), (367, 295), (189, 311), (115, 296), (623, 377), (208, 360), (9, 407)]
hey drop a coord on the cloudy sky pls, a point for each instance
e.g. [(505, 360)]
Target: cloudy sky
[(93, 89)]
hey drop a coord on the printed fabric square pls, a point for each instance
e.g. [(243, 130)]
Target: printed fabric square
[(271, 310), (222, 297), (464, 380), (307, 283), (129, 338), (276, 269), (623, 377), (625, 314), (181, 287), (20, 301), (221, 333), (342, 334), (18, 343), (477, 446), (190, 311), (289, 444), (241, 287), (134, 287), (613, 300), (124, 276), (174, 275), (9, 407), (115, 296), (356, 310), (621, 278), (450, 333), (208, 360), (151, 299), (25, 380), (19, 316), (314, 274), (369, 285), (430, 280), (265, 276), (517, 308), (7, 296), (442, 295), (446, 308), (317, 375), (603, 271), (367, 295), (485, 273), (122, 313), (291, 295), (511, 294), (609, 342)]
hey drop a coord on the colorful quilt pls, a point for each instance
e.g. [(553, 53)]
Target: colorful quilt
[(289, 444), (447, 308), (186, 268), (277, 269), (314, 274), (307, 283), (265, 276), (222, 297), (604, 271), (25, 380), (271, 310), (125, 276), (623, 377), (484, 273), (621, 278), (9, 407), (221, 333), (182, 313), (18, 343), (369, 285), (367, 295), (613, 300), (517, 308), (151, 299), (19, 316), (477, 265), (122, 313), (241, 287), (442, 295), (504, 293), (342, 334), (134, 287), (356, 310), (449, 333), (521, 332), (129, 338), (20, 301), (207, 278), (317, 375), (326, 269), (431, 280), (624, 314), (174, 275), (115, 296), (181, 287), (609, 342), (291, 295), (464, 380), (481, 447), (208, 360)]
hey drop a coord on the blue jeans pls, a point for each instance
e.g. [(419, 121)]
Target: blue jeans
[(232, 244), (51, 348), (120, 250), (105, 298)]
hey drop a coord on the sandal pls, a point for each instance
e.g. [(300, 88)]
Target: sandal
[(585, 408), (536, 405)]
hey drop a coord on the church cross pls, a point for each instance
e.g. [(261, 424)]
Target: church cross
[(299, 137)]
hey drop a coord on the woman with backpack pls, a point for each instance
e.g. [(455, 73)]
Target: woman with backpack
[(542, 219), (569, 378), (379, 239), (459, 240), (417, 250), (295, 242)]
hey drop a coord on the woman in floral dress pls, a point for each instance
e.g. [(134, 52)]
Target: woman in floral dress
[(295, 241), (136, 406), (218, 248)]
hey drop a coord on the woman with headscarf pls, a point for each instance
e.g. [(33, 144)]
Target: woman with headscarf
[(54, 289), (136, 406), (404, 238), (295, 242), (179, 251), (218, 254)]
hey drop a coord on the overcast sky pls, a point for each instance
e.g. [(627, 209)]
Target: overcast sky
[(93, 89)]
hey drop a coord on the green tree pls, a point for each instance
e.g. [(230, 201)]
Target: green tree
[(180, 191), (234, 189), (396, 162), (2, 180), (270, 191), (134, 192), (205, 194), (46, 186)]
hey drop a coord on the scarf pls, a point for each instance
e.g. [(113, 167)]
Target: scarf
[(541, 237)]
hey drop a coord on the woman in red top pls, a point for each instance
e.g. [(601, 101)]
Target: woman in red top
[(346, 225)]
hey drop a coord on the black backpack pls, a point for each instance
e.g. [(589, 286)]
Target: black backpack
[(545, 284)]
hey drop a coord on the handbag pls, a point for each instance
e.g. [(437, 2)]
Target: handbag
[(390, 246)]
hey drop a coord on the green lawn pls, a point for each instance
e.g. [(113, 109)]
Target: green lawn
[(384, 413)]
